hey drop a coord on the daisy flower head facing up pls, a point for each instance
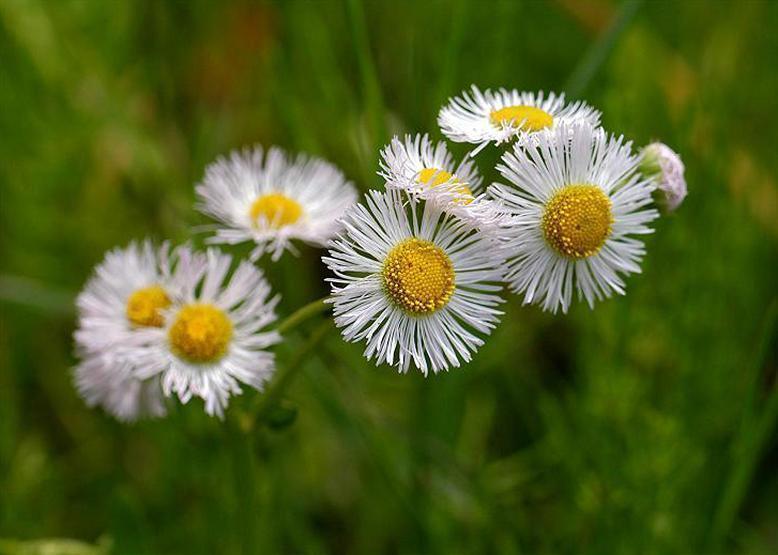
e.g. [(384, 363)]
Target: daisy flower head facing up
[(271, 198), (126, 295), (577, 199), (500, 116), (120, 305), (417, 284), (426, 171), (213, 339)]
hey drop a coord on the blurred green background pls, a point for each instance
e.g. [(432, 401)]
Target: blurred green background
[(644, 426)]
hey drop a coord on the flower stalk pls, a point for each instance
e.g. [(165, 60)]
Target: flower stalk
[(285, 375), (303, 313)]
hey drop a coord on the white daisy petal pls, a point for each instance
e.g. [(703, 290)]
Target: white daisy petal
[(212, 341), (152, 322), (118, 310), (415, 283), (272, 199), (427, 171), (496, 117), (575, 198), (112, 386)]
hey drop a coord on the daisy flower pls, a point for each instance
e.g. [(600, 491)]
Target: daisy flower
[(212, 340), (417, 284), (127, 293), (111, 385), (271, 199), (497, 117), (577, 198), (426, 171), (660, 163), (126, 296)]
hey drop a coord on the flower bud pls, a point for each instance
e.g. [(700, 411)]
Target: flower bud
[(660, 163)]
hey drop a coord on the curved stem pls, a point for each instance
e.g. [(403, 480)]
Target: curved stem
[(285, 376), (244, 471), (302, 314), (756, 428)]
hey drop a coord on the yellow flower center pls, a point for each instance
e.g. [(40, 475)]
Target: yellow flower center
[(145, 305), (433, 177), (418, 276), (201, 333), (528, 118), (577, 220), (276, 210)]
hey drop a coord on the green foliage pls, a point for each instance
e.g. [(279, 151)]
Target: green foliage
[(645, 426)]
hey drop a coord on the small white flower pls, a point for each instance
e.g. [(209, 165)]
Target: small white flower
[(127, 293), (417, 284), (661, 163), (126, 296), (272, 199), (110, 383), (212, 340), (576, 197), (497, 117), (419, 166), (427, 171)]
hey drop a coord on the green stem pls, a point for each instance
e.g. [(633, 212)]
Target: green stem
[(302, 314), (742, 474), (598, 53), (754, 370), (242, 439), (244, 482), (285, 375), (755, 431)]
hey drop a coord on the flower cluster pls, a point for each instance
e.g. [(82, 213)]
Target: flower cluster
[(416, 268), (156, 322)]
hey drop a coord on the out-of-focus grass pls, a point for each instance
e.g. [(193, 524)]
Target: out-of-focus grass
[(645, 426)]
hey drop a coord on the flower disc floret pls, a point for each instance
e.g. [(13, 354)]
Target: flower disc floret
[(528, 118), (275, 210), (434, 177), (577, 220), (144, 306), (418, 276), (201, 333)]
